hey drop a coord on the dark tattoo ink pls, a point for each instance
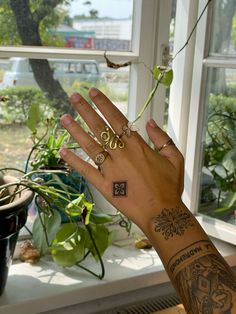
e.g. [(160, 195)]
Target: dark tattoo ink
[(206, 285), (173, 221), (190, 253), (120, 188)]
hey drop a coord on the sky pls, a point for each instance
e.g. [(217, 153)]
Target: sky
[(106, 8)]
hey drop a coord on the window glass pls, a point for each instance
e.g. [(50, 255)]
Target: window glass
[(223, 39), (47, 83), (95, 24), (169, 53), (90, 68), (218, 178)]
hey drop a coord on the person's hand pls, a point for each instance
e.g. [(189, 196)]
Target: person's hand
[(138, 180)]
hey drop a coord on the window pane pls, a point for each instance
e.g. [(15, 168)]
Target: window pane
[(218, 178), (47, 83), (223, 40), (170, 52), (95, 24)]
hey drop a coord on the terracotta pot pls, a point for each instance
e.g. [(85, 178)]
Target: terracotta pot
[(12, 218)]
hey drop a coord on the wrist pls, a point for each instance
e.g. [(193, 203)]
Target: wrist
[(172, 228), (162, 216)]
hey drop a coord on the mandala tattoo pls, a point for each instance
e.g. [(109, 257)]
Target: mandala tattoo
[(172, 222), (120, 188)]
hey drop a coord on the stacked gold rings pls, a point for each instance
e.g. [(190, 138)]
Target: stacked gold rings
[(111, 140)]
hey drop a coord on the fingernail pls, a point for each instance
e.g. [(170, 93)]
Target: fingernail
[(66, 120), (152, 123), (75, 98), (62, 152), (93, 92)]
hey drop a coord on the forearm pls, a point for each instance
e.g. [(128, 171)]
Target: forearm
[(202, 278)]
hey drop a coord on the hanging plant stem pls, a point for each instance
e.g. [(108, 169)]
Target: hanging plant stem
[(149, 99), (98, 253)]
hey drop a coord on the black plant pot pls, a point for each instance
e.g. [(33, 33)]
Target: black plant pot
[(12, 218)]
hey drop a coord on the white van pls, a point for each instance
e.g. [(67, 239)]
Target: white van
[(19, 72)]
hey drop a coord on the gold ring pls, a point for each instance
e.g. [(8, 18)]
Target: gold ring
[(169, 142), (110, 139), (100, 157)]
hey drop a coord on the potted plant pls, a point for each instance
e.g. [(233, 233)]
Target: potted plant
[(14, 201), (218, 194), (67, 224), (68, 243)]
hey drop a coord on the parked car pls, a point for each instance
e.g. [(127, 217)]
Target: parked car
[(19, 72)]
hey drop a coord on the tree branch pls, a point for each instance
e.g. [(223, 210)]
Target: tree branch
[(45, 8)]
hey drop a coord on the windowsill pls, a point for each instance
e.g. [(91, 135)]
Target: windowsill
[(45, 286)]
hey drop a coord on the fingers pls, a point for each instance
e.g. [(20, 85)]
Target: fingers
[(87, 143), (95, 122), (104, 134), (84, 168), (91, 117), (113, 115), (162, 142)]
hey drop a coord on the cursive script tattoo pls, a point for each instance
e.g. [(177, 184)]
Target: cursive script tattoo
[(172, 222), (206, 284), (120, 188)]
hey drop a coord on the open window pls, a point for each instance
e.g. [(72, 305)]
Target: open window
[(124, 35), (206, 126)]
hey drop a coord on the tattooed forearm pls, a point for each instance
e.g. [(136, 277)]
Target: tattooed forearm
[(190, 253), (204, 281), (173, 221)]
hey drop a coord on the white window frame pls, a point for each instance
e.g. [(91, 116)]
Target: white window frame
[(150, 20), (150, 32), (186, 113), (144, 51)]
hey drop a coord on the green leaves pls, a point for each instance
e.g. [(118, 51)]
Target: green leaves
[(220, 153), (74, 208), (163, 74), (68, 246), (71, 242), (230, 200), (229, 161), (51, 223), (102, 238), (98, 217), (33, 117), (80, 207)]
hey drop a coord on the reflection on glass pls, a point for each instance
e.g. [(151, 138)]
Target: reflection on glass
[(223, 40), (218, 178), (95, 24), (47, 83)]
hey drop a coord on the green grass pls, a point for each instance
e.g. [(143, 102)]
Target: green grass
[(15, 144)]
